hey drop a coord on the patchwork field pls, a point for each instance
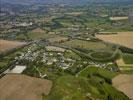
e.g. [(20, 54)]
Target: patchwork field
[(25, 87), (124, 83), (6, 45), (125, 62), (84, 44), (121, 38), (122, 66)]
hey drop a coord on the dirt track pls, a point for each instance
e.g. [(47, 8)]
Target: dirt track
[(124, 83), (22, 87)]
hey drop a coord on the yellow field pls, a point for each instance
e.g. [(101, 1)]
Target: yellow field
[(118, 18), (6, 45), (121, 38), (124, 83)]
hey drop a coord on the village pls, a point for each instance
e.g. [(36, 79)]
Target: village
[(66, 51)]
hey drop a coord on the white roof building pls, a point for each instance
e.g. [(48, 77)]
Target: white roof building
[(17, 70)]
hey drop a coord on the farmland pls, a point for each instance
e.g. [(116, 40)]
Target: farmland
[(88, 71), (124, 83), (128, 58), (75, 43), (6, 45), (121, 63), (82, 88), (121, 38), (65, 52), (32, 90), (101, 56), (125, 62), (38, 34), (58, 39)]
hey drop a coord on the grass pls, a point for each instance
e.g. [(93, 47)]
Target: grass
[(81, 88), (128, 58), (2, 64), (101, 56), (36, 36), (75, 43), (98, 58), (94, 71), (21, 37), (72, 55), (125, 29)]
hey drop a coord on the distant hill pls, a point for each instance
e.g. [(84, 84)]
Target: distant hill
[(65, 1)]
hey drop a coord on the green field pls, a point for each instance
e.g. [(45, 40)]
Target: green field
[(125, 29), (72, 55), (101, 56), (36, 36), (128, 58), (81, 88), (93, 71), (75, 43)]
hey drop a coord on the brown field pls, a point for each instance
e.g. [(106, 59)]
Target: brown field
[(84, 44), (38, 30), (118, 18), (6, 45), (22, 87), (124, 83), (55, 49), (121, 38), (38, 34), (57, 39)]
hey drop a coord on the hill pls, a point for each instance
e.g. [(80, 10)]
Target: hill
[(65, 1)]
